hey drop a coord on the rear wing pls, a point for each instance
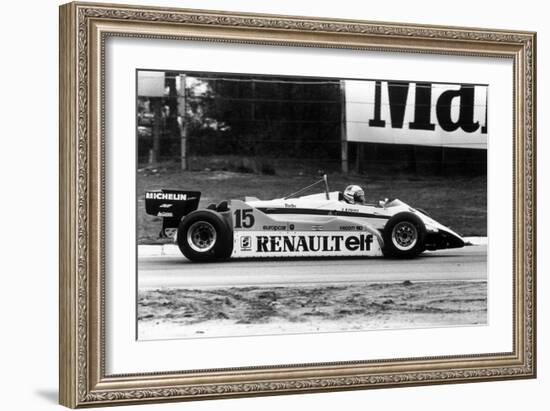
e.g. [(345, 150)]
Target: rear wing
[(171, 205)]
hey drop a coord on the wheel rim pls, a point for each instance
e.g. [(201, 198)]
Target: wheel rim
[(404, 235), (201, 236)]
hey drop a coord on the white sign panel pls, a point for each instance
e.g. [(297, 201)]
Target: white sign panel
[(427, 114), (304, 244), (151, 84)]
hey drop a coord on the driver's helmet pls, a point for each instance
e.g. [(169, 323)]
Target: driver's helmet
[(354, 194)]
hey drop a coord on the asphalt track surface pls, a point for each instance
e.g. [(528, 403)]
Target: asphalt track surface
[(464, 264)]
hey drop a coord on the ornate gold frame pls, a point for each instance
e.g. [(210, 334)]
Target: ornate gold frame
[(83, 30)]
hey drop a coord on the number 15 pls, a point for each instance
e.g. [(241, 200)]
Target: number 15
[(244, 218)]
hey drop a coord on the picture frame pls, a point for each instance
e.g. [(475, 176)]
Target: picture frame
[(84, 30)]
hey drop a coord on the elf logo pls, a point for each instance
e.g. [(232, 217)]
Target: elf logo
[(312, 243)]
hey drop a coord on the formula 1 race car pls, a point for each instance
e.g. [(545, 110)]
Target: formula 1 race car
[(320, 224)]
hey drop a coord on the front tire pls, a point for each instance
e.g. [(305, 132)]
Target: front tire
[(204, 235), (404, 236)]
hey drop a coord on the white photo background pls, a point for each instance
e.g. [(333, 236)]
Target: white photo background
[(124, 354)]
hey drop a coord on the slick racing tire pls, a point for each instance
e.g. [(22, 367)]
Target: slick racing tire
[(404, 236), (204, 235)]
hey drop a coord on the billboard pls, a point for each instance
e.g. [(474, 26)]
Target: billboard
[(151, 84), (417, 113)]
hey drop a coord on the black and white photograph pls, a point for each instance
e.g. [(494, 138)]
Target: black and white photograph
[(270, 205)]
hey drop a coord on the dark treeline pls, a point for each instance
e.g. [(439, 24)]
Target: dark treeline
[(249, 116)]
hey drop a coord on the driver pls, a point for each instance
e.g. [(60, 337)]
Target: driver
[(354, 195)]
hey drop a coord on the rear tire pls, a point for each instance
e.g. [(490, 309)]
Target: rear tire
[(204, 235), (404, 236)]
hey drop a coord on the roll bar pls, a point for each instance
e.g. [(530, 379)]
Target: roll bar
[(323, 180)]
